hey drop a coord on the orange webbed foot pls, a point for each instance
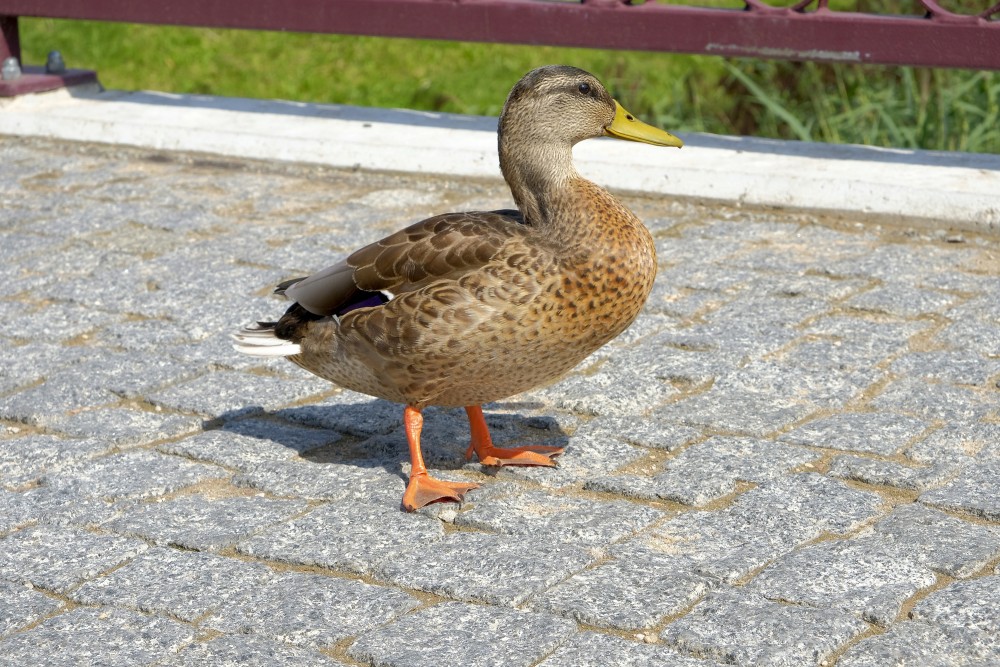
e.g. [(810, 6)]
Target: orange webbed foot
[(482, 445), (423, 490), (533, 455)]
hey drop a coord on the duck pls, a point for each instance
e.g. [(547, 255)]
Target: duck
[(465, 309)]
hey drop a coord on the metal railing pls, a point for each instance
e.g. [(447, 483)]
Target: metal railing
[(806, 30)]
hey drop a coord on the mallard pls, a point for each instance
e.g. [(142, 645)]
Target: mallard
[(464, 309)]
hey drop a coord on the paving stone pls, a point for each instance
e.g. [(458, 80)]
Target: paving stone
[(631, 593), (734, 626), (453, 633), (974, 335), (955, 443), (26, 459), (642, 431), (587, 455), (974, 490), (48, 402), (831, 353), (204, 524), (608, 392), (868, 432), (352, 536), (926, 400), (125, 427), (902, 300), (186, 585), (760, 525), (60, 322), (15, 511), (943, 543), (888, 473), (57, 507), (956, 366), (875, 338), (763, 397), (926, 645), (673, 364), (571, 520), (311, 610), (258, 442), (106, 637), (247, 651), (711, 469), (963, 604), (508, 571), (128, 377), (348, 412), (868, 576), (894, 262), (59, 559), (734, 341), (794, 284), (228, 394), (22, 605), (295, 438), (134, 474), (324, 481), (147, 336), (592, 649)]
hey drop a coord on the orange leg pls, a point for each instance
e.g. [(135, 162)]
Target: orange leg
[(422, 488), (482, 445)]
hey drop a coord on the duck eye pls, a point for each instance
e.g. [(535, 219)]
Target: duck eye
[(584, 88)]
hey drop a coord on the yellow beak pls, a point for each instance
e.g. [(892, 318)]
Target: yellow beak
[(627, 126)]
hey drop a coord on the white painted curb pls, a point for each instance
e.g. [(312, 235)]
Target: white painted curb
[(943, 190)]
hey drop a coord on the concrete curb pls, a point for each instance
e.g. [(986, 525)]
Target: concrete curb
[(937, 189)]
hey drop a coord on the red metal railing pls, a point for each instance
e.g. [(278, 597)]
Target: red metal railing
[(807, 30)]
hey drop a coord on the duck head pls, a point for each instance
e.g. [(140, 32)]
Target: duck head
[(547, 112)]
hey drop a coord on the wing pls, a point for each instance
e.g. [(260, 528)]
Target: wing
[(445, 246)]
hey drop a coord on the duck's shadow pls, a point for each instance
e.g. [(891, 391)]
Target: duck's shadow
[(368, 433)]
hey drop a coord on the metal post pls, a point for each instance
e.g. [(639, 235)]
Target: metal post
[(10, 42)]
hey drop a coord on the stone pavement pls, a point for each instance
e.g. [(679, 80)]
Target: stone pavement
[(792, 458)]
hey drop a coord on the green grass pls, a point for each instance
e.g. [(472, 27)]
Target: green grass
[(883, 106)]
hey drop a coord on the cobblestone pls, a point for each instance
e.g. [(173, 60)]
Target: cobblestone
[(311, 610), (462, 634), (735, 626), (247, 651), (183, 584), (791, 456), (963, 604), (57, 560), (204, 524), (925, 645), (109, 637), (365, 537), (973, 491)]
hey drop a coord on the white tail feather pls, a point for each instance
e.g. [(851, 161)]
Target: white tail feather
[(261, 342)]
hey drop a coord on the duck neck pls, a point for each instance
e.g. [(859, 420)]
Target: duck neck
[(537, 171)]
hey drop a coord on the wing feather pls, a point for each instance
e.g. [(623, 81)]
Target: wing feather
[(445, 246)]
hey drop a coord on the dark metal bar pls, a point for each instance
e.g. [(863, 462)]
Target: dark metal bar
[(10, 42), (939, 39)]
